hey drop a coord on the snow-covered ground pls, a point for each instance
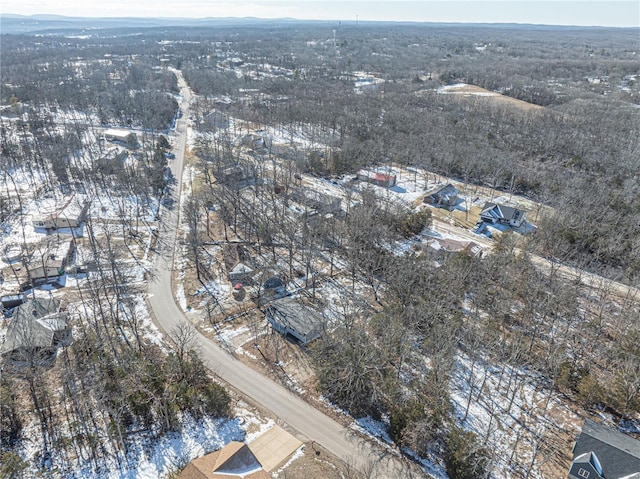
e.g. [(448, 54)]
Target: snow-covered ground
[(511, 412), (147, 460)]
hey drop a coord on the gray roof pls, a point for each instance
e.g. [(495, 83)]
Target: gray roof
[(618, 453), (445, 191), (34, 325), (37, 308), (296, 316), (496, 210)]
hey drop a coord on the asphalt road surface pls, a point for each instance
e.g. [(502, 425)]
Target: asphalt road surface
[(310, 423)]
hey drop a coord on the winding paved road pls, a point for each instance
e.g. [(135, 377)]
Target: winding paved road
[(285, 405)]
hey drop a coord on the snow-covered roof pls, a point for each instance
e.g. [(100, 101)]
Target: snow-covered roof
[(118, 134)]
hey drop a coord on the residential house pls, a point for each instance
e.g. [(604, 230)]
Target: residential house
[(256, 140), (215, 120), (50, 274), (236, 176), (385, 180), (60, 220), (443, 197), (505, 215), (48, 264), (55, 222), (251, 461), (288, 316), (448, 246), (604, 453), (236, 259), (233, 461), (124, 137), (36, 329), (274, 447), (320, 202)]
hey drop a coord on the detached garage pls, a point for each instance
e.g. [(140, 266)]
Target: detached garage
[(287, 316)]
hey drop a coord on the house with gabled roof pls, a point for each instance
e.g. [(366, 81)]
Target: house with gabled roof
[(444, 197), (62, 219), (236, 260), (378, 178), (234, 461), (317, 200), (249, 461), (124, 137), (496, 213), (604, 453), (37, 328), (288, 316)]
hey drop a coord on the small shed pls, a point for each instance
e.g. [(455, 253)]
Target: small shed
[(288, 316), (13, 300)]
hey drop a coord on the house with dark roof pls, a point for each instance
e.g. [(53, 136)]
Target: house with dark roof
[(12, 300), (495, 213), (444, 197), (604, 453), (37, 328), (288, 316)]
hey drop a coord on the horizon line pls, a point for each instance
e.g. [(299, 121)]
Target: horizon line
[(311, 20)]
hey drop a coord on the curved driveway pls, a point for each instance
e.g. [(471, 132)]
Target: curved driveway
[(288, 407)]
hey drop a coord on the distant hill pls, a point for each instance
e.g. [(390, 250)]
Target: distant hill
[(59, 24), (16, 24)]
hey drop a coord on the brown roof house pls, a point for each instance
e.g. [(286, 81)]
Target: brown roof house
[(449, 246), (233, 461), (239, 460)]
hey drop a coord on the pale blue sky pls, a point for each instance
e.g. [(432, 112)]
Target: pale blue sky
[(568, 12)]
